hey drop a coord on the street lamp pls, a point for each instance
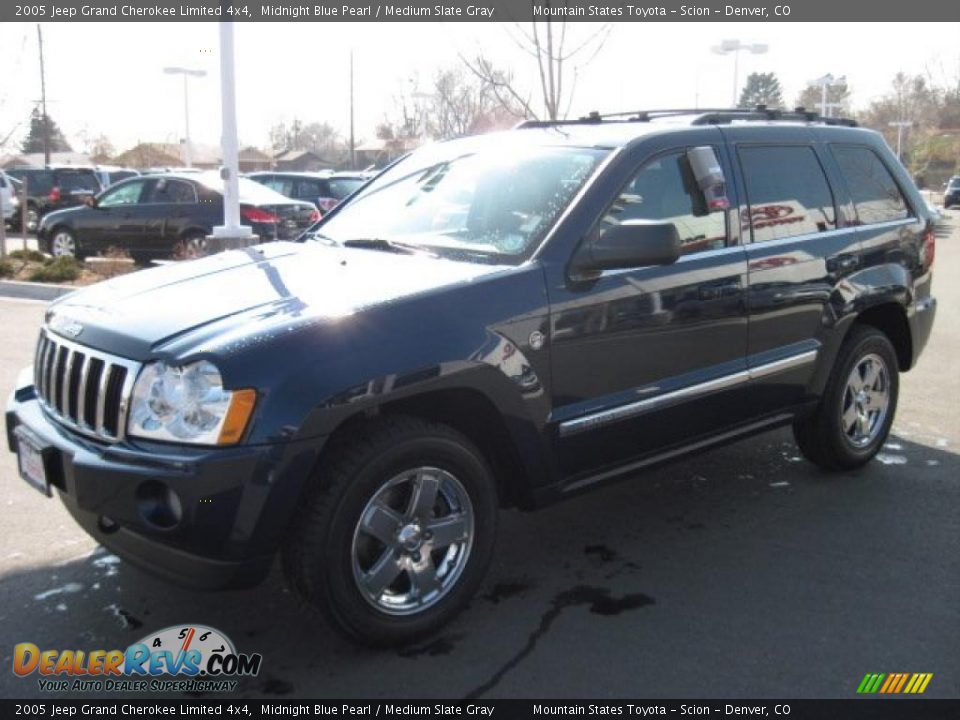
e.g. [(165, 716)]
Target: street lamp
[(825, 82), (187, 73), (726, 47), (900, 125)]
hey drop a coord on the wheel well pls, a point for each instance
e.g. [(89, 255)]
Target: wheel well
[(471, 413), (891, 320)]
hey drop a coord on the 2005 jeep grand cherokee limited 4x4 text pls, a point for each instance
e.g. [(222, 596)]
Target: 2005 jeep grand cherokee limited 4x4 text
[(493, 321)]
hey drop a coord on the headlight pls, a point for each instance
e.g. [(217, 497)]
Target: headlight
[(188, 404)]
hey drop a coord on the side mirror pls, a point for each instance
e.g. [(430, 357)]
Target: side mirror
[(90, 201), (631, 244)]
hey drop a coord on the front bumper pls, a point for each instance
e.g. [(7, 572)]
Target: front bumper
[(235, 503)]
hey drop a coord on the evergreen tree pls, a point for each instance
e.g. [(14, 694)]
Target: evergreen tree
[(33, 142), (761, 89)]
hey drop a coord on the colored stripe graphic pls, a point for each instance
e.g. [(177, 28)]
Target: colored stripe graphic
[(894, 683)]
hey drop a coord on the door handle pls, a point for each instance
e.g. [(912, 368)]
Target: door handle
[(842, 263), (721, 289)]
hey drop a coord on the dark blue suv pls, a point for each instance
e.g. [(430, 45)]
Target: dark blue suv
[(494, 321)]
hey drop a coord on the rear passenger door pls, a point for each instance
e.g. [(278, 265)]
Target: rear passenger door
[(797, 254)]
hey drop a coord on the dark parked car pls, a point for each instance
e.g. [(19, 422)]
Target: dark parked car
[(156, 215), (951, 195), (324, 190), (54, 188), (494, 321)]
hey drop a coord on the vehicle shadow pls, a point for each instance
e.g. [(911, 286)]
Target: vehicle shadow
[(676, 583)]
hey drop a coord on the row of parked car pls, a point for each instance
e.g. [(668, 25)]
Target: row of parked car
[(80, 211)]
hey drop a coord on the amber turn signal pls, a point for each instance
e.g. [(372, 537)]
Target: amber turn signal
[(238, 415)]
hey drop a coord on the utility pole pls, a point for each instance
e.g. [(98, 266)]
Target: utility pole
[(43, 102), (900, 125), (353, 146)]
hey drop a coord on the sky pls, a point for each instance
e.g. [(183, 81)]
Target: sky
[(108, 77)]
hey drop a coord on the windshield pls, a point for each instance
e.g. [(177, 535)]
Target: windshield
[(476, 200)]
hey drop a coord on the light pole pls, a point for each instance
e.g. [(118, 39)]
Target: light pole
[(187, 73), (726, 47), (826, 82), (900, 125), (231, 234)]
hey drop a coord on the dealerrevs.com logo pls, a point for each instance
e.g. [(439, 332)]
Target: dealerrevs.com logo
[(180, 658)]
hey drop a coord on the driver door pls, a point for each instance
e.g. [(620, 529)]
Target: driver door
[(115, 221), (650, 357)]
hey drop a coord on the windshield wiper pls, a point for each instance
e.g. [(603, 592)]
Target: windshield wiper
[(386, 246)]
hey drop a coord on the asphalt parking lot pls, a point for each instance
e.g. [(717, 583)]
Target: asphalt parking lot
[(745, 572)]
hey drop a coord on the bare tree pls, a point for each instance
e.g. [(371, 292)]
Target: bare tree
[(838, 98), (557, 58)]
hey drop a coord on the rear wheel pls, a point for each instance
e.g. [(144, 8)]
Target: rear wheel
[(856, 412), (33, 219), (190, 246), (396, 535)]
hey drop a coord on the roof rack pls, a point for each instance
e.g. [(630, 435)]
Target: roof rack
[(700, 116)]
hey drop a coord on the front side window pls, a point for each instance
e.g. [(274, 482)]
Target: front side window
[(126, 194), (787, 192), (474, 199), (875, 193), (664, 190)]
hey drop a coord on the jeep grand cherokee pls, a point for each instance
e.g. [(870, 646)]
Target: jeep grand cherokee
[(494, 321)]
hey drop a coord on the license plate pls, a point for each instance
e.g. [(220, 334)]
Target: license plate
[(30, 461)]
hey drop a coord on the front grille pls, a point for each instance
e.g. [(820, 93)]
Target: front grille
[(86, 390)]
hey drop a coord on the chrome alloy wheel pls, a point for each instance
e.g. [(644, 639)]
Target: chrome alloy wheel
[(413, 541), (866, 399), (63, 245)]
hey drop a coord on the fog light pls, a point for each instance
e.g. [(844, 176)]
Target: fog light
[(159, 505), (107, 525)]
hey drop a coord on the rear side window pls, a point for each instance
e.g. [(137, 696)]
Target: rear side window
[(310, 189), (70, 181), (787, 191), (172, 191), (39, 183), (876, 195)]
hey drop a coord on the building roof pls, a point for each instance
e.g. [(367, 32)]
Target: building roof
[(37, 159)]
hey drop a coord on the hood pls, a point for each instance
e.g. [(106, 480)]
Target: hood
[(134, 314)]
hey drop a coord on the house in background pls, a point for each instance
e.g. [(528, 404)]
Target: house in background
[(383, 151), (301, 160), (36, 160), (252, 160)]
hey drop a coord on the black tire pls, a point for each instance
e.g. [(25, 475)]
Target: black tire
[(192, 245), (33, 219), (320, 556), (821, 436)]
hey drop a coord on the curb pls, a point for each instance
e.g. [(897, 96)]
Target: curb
[(46, 292)]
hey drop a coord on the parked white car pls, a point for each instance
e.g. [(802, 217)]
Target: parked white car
[(8, 197)]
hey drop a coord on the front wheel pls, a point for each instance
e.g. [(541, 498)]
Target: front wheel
[(396, 535), (63, 243), (856, 412)]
